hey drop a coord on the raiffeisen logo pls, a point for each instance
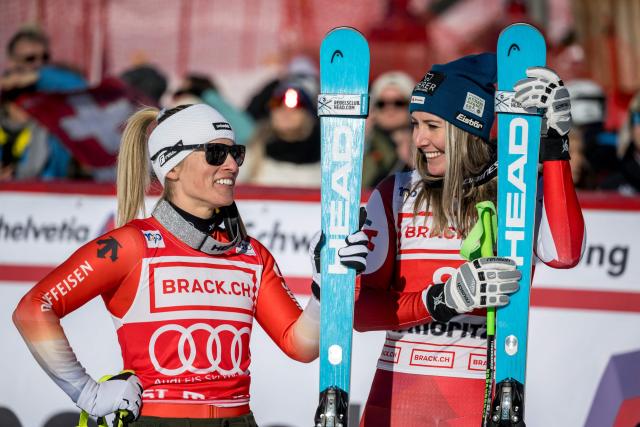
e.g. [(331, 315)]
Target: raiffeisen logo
[(516, 196), (341, 149)]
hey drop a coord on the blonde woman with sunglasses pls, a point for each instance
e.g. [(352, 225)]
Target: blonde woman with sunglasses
[(183, 286)]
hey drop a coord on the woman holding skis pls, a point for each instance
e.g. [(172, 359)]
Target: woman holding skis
[(416, 286), (183, 286)]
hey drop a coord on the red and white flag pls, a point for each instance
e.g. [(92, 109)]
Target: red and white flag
[(89, 122)]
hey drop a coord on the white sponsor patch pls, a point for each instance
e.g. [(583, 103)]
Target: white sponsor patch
[(185, 287), (417, 99), (474, 104), (245, 247), (342, 105), (154, 238), (504, 102)]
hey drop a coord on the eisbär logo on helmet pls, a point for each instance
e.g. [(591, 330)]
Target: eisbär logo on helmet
[(469, 121)]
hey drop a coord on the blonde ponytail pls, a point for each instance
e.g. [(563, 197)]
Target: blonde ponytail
[(133, 166)]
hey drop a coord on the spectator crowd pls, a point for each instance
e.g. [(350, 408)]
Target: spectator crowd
[(54, 126)]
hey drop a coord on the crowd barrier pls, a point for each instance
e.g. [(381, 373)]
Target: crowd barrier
[(584, 351)]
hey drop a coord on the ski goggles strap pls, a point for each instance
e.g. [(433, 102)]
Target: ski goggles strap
[(350, 105), (489, 172)]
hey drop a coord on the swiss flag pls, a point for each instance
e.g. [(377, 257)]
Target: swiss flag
[(88, 122)]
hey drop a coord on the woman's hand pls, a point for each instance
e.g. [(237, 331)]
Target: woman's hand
[(484, 282), (544, 89), (352, 255), (120, 392)]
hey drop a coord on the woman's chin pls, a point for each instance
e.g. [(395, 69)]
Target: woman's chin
[(435, 170), (222, 201), (226, 202)]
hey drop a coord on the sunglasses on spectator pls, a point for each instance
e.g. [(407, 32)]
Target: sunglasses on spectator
[(215, 154), (397, 103), (30, 59)]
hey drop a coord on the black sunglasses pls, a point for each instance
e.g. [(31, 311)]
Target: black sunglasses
[(398, 103), (214, 153), (30, 59)]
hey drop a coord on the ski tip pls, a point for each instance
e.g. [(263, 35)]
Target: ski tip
[(344, 28), (519, 46), (344, 62), (519, 26), (351, 34)]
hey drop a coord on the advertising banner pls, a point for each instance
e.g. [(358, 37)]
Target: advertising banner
[(584, 322)]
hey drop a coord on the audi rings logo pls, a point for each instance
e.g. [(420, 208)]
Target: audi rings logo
[(187, 345)]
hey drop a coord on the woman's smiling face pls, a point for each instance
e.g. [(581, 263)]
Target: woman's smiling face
[(198, 186), (429, 139)]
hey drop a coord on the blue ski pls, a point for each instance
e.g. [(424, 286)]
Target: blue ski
[(342, 107), (520, 46)]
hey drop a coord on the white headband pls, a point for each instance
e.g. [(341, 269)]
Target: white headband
[(197, 124)]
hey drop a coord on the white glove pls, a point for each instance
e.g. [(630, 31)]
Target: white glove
[(544, 89), (353, 255), (484, 282), (122, 391)]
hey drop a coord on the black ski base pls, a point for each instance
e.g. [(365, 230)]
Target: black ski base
[(507, 408), (333, 408)]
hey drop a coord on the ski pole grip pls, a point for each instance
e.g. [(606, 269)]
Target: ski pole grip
[(84, 419)]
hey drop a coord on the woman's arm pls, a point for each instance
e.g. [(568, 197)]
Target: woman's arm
[(382, 310), (96, 268), (378, 305), (561, 232), (295, 331)]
